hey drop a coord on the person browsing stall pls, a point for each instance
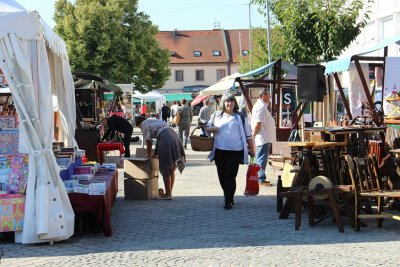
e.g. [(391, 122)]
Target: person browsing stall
[(117, 123), (233, 137), (264, 134), (169, 150), (204, 115)]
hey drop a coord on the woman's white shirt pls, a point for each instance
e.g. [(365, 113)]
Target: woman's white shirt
[(228, 136)]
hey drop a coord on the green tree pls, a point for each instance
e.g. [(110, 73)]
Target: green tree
[(112, 39), (317, 30), (259, 51)]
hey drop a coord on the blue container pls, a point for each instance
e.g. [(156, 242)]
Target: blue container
[(67, 173), (78, 161)]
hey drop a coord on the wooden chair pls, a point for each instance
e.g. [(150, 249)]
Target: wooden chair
[(368, 193)]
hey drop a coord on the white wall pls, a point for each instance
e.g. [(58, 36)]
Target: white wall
[(189, 75), (384, 23)]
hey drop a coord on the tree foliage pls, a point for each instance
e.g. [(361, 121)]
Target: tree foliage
[(112, 39), (259, 51), (317, 30)]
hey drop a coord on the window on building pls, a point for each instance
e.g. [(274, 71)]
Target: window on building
[(197, 53), (220, 74), (199, 75), (179, 75), (245, 52), (216, 53)]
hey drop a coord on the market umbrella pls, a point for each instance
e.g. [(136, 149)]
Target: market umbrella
[(198, 99)]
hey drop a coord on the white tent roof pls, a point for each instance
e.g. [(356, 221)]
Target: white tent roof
[(222, 86), (5, 90)]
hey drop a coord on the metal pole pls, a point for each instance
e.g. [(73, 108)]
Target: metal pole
[(240, 44), (251, 65), (269, 33)]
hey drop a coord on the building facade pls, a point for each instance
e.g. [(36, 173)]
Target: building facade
[(200, 58), (384, 23)]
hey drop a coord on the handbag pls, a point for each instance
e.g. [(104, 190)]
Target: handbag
[(252, 187), (177, 118)]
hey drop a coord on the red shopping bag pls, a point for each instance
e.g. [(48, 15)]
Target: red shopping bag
[(252, 187)]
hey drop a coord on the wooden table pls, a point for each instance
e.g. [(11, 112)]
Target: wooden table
[(355, 146), (100, 206)]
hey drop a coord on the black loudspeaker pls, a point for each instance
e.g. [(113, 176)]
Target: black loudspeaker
[(310, 82)]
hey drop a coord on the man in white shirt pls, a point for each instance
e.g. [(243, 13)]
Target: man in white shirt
[(264, 133)]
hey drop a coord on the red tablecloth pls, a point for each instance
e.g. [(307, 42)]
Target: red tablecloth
[(98, 205), (108, 147)]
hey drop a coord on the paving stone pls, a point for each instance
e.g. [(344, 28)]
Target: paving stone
[(195, 230)]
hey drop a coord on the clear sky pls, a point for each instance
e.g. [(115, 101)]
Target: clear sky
[(179, 14)]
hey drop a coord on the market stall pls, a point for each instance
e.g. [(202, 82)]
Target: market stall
[(283, 92), (95, 97), (380, 114), (150, 97), (35, 64)]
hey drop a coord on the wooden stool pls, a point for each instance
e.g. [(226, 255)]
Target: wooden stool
[(332, 192)]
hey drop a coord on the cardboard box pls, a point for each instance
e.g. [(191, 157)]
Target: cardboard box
[(142, 152), (141, 189), (139, 167)]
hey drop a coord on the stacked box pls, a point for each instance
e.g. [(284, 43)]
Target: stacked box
[(9, 140), (141, 175)]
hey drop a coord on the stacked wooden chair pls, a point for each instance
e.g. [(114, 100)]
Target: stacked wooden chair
[(369, 193)]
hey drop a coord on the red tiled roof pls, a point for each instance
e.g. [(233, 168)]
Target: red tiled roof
[(184, 43)]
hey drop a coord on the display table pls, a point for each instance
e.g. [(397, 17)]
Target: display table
[(108, 147), (100, 206)]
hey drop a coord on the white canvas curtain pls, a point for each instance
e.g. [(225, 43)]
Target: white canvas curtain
[(25, 63)]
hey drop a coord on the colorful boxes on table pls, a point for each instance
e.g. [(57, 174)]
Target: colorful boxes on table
[(12, 210), (9, 140), (8, 122), (84, 169), (13, 173)]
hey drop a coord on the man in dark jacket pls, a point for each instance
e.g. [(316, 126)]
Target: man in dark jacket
[(116, 123), (165, 112)]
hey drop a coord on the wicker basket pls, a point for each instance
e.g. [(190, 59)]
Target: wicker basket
[(200, 143)]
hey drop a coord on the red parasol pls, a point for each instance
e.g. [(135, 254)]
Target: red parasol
[(198, 99)]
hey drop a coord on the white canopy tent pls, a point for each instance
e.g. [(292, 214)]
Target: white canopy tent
[(154, 95), (34, 61), (222, 86)]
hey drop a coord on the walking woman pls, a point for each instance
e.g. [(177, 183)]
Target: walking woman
[(169, 149), (233, 140)]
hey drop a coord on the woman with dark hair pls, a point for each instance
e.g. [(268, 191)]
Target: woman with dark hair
[(169, 149), (233, 137)]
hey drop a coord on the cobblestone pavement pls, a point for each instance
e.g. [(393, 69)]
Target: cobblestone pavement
[(193, 229)]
